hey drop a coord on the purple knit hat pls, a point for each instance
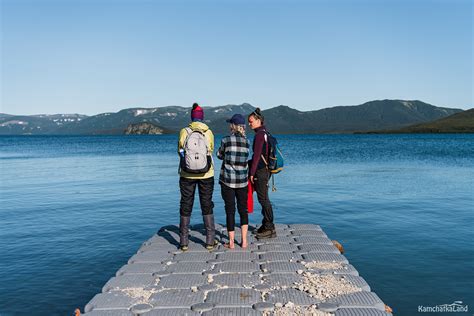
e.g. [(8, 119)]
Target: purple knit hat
[(197, 112)]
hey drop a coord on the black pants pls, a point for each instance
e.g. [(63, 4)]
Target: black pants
[(261, 187), (188, 187), (229, 195)]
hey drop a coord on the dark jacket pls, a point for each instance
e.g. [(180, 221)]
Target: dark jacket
[(259, 148)]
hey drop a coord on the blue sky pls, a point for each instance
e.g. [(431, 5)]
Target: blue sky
[(90, 57)]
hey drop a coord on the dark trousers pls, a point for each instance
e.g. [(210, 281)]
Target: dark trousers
[(230, 195), (188, 187), (261, 187)]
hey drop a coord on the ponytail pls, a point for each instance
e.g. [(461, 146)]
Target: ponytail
[(257, 114)]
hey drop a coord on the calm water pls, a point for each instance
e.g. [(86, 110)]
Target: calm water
[(74, 209)]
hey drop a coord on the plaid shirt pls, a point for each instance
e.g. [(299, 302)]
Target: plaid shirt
[(234, 151)]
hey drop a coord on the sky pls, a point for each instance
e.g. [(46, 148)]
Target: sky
[(95, 56)]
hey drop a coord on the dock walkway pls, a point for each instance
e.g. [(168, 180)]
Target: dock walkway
[(300, 272)]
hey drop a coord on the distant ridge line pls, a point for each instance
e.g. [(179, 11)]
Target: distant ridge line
[(377, 115)]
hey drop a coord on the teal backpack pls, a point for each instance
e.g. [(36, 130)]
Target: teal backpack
[(275, 161)]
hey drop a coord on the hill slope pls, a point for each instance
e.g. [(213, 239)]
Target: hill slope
[(462, 122), (374, 115)]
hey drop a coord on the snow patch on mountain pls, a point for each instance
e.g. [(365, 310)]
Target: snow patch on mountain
[(14, 122), (222, 110), (409, 105), (172, 114), (57, 121), (143, 111)]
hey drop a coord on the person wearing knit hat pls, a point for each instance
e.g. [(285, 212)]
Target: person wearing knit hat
[(197, 113), (195, 148)]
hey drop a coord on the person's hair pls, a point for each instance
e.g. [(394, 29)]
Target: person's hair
[(237, 128), (257, 114), (195, 105)]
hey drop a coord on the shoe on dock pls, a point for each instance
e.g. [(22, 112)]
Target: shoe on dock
[(260, 230), (266, 233), (213, 246)]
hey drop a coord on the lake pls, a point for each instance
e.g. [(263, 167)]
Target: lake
[(75, 209)]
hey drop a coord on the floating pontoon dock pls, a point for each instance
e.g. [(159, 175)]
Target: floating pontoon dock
[(300, 272)]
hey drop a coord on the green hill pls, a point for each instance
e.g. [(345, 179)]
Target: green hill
[(462, 122), (378, 115)]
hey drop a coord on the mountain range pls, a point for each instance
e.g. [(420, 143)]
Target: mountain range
[(371, 116)]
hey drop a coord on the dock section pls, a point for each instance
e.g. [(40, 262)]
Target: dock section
[(300, 272)]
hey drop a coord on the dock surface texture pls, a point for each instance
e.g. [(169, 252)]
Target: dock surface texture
[(300, 272)]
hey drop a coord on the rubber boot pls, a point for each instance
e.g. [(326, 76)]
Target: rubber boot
[(184, 232), (211, 242)]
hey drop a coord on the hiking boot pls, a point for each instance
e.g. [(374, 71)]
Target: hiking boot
[(267, 233), (260, 230), (184, 248), (212, 246), (184, 232)]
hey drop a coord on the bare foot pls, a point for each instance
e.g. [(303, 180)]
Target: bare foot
[(245, 229), (229, 245)]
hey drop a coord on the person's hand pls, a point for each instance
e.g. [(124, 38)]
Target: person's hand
[(251, 179)]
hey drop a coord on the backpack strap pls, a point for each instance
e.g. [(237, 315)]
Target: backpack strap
[(266, 142), (189, 132)]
